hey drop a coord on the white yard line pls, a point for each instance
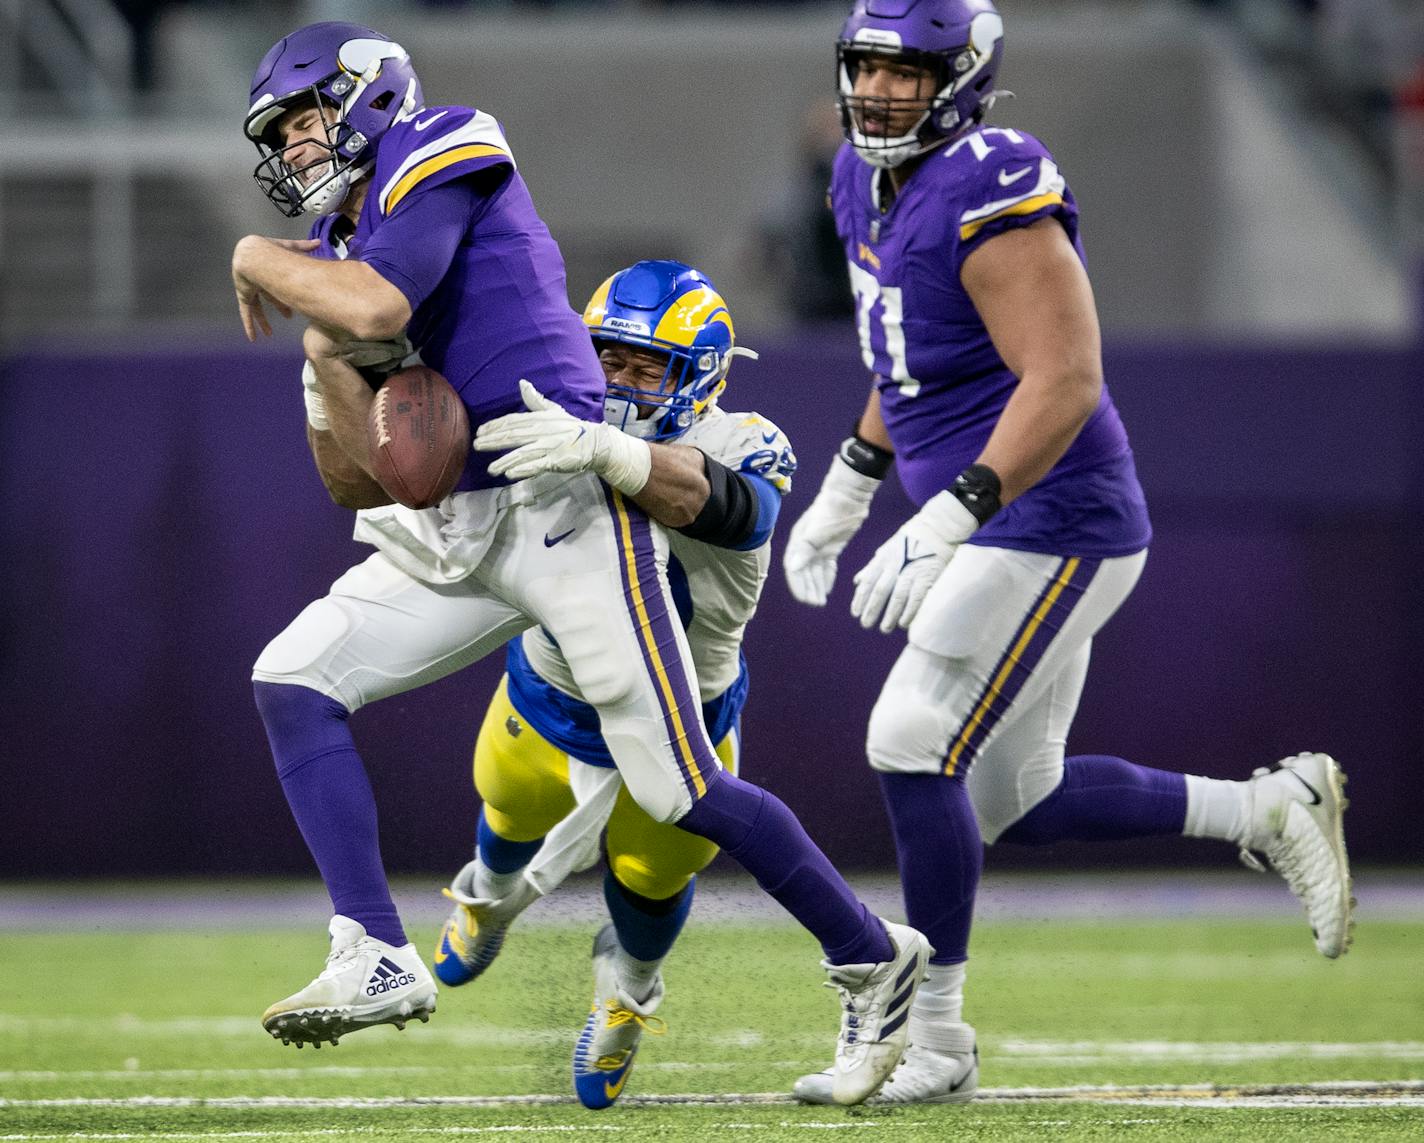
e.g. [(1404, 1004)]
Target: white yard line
[(1013, 1053), (1355, 1093)]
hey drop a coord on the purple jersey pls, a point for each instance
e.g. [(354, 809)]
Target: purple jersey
[(942, 383), (450, 223)]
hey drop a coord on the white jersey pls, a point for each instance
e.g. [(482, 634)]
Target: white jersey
[(722, 585)]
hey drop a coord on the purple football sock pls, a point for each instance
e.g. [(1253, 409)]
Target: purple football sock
[(1104, 799), (760, 831), (330, 796), (940, 854)]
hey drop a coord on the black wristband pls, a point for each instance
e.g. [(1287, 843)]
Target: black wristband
[(978, 488), (866, 458)]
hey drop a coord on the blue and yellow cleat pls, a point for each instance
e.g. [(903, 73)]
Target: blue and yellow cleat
[(475, 930), (604, 1053)]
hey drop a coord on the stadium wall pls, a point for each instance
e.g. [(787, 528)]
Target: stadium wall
[(164, 521)]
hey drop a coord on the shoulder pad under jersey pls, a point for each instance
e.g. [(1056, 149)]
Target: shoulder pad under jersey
[(433, 146), (1002, 178), (745, 442)]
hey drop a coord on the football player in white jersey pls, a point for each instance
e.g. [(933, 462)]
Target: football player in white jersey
[(978, 326), (424, 227), (665, 340)]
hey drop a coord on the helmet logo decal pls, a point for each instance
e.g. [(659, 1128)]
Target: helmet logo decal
[(355, 56), (986, 30)]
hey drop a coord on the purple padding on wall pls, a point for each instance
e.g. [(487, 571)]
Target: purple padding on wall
[(164, 522)]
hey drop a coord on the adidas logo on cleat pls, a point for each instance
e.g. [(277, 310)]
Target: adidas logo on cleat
[(387, 978)]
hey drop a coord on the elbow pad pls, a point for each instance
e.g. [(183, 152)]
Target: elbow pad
[(737, 514)]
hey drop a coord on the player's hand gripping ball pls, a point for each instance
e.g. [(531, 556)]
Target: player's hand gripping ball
[(419, 437)]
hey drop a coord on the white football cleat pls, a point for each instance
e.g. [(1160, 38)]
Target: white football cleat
[(365, 982), (875, 1014), (924, 1076), (1297, 812), (604, 1052)]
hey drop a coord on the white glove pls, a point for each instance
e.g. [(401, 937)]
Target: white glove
[(824, 529), (891, 587), (549, 438)]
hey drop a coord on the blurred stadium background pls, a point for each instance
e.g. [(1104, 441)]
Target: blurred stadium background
[(1251, 174), (1252, 181)]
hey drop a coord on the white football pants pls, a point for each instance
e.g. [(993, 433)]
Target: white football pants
[(452, 584), (991, 678)]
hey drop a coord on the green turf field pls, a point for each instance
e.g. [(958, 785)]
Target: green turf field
[(117, 1036)]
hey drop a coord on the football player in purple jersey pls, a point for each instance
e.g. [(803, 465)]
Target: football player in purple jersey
[(978, 326), (424, 230)]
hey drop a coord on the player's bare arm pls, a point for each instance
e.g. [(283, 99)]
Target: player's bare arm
[(871, 427), (677, 488), (347, 398), (348, 484), (347, 295), (1036, 302)]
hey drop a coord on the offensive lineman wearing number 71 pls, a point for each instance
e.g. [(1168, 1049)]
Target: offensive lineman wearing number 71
[(977, 322)]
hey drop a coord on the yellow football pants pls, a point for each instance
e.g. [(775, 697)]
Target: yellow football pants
[(523, 780)]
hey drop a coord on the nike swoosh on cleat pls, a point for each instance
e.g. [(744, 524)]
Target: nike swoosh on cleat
[(550, 541), (614, 1090), (768, 438)]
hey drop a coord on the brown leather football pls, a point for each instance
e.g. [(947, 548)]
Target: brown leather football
[(419, 437)]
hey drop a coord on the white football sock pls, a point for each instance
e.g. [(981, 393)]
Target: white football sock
[(638, 978), (494, 885), (937, 1015), (1217, 808)]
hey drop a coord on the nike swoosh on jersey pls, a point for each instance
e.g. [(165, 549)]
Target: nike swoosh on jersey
[(419, 126), (1006, 179), (550, 541)]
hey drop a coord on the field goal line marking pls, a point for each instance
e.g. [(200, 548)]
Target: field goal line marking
[(1353, 1093)]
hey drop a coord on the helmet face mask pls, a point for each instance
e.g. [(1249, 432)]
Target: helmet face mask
[(315, 186), (361, 80), (670, 310), (666, 411), (957, 44)]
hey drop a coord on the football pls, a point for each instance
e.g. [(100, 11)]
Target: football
[(419, 437)]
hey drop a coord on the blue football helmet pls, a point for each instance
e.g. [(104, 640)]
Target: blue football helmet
[(667, 308), (360, 75), (960, 43)]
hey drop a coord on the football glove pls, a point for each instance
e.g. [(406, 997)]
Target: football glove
[(824, 529), (379, 357), (549, 438), (891, 587)]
